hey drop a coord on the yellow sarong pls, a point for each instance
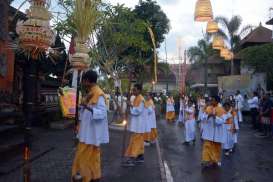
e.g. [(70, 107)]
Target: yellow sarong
[(211, 151), (170, 116), (87, 162), (154, 134), (147, 137), (151, 136), (136, 145)]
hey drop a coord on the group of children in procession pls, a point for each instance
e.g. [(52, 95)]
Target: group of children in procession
[(219, 126), (93, 129)]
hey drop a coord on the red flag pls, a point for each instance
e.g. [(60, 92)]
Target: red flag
[(72, 50)]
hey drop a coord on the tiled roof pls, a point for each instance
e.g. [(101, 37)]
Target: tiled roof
[(258, 35)]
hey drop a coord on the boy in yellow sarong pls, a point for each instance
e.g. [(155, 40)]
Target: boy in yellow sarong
[(170, 111), (212, 134), (151, 135), (135, 149), (93, 131)]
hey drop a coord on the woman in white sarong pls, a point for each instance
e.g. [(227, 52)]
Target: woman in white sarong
[(182, 110), (189, 124), (229, 133)]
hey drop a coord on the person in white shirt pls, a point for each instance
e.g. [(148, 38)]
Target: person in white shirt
[(93, 131), (213, 119), (239, 105), (135, 149), (231, 127), (189, 123), (254, 105), (150, 135), (181, 116), (170, 111)]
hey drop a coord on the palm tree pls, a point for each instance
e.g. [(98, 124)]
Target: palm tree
[(231, 30), (199, 55)]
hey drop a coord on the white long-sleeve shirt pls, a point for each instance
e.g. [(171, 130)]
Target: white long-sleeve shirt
[(94, 125), (212, 129), (239, 101), (137, 121), (253, 103)]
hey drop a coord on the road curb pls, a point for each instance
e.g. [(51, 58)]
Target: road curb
[(161, 163)]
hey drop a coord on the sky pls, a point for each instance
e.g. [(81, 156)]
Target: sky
[(186, 31)]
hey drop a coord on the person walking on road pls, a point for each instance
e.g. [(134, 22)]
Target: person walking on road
[(231, 126), (135, 149), (150, 136), (170, 111), (190, 124), (93, 131), (212, 134), (254, 106), (265, 113), (239, 100), (182, 106)]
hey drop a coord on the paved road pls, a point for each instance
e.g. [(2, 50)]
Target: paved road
[(55, 165), (252, 162)]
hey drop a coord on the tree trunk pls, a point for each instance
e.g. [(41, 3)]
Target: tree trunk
[(205, 76)]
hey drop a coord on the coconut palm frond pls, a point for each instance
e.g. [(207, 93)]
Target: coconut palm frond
[(154, 50), (246, 30), (84, 17), (21, 5), (235, 42), (222, 20), (234, 25), (195, 54)]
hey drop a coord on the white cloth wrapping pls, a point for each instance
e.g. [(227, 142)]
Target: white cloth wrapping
[(148, 122), (212, 129), (239, 105), (253, 103), (181, 112), (229, 137), (170, 107), (236, 124), (152, 116), (190, 125), (137, 121), (94, 127)]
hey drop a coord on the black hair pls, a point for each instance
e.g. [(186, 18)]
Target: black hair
[(255, 93), (90, 76), (217, 98), (138, 86), (227, 104)]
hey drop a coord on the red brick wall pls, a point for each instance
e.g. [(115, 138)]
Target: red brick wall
[(6, 82)]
